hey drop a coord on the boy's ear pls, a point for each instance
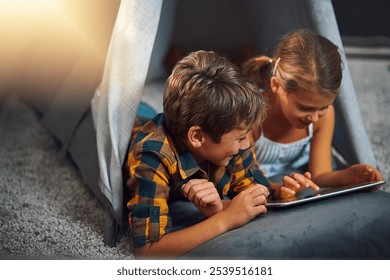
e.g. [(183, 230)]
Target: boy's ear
[(195, 136)]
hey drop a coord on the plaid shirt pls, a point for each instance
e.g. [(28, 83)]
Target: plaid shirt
[(159, 166)]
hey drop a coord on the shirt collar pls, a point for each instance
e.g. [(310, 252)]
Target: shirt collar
[(187, 164)]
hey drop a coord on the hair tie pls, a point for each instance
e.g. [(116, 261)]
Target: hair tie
[(276, 65)]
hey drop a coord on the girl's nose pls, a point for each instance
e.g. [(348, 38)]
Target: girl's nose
[(313, 117)]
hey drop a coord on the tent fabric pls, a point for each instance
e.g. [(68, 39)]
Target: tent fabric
[(116, 100), (350, 135), (93, 117)]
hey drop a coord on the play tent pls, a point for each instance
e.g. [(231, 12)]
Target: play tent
[(138, 47), (93, 110)]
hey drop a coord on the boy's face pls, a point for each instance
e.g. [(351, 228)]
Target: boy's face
[(221, 153)]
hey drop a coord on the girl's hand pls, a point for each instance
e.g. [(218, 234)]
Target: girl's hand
[(362, 173), (294, 183)]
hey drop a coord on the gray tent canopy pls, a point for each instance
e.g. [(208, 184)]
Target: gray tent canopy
[(93, 118)]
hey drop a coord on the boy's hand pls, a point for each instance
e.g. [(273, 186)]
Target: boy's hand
[(203, 195), (246, 205), (294, 183)]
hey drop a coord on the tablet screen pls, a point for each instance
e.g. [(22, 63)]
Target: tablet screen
[(308, 194)]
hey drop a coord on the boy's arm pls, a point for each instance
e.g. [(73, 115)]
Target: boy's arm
[(148, 225), (203, 194), (242, 209)]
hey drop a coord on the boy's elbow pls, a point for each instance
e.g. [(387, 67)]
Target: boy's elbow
[(152, 251), (143, 251)]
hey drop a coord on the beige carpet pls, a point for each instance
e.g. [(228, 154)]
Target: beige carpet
[(46, 211)]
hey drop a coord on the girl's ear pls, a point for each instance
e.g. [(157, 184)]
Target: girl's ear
[(275, 85), (195, 136)]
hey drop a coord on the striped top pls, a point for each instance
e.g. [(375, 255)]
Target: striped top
[(158, 168), (278, 159)]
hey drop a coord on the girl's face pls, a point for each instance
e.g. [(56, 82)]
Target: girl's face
[(303, 108)]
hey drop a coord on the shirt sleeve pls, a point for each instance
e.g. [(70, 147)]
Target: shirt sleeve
[(247, 172), (148, 184)]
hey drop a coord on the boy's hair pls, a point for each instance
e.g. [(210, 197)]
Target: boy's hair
[(209, 91), (303, 60)]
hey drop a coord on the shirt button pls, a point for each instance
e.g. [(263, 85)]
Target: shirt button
[(154, 212)]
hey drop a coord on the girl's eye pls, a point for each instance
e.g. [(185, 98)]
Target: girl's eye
[(308, 109), (324, 109), (305, 109)]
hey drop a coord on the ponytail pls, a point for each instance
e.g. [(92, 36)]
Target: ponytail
[(303, 61), (259, 70)]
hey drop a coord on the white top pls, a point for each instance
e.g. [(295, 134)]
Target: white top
[(278, 159)]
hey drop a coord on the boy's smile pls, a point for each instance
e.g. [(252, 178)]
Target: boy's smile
[(221, 153)]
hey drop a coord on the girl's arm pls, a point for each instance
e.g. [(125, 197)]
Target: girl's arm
[(320, 164)]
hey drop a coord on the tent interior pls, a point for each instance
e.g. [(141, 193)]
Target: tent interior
[(122, 58)]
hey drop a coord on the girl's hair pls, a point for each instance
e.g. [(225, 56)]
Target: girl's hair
[(209, 91), (303, 60)]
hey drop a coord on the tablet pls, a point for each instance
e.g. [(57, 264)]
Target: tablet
[(308, 195)]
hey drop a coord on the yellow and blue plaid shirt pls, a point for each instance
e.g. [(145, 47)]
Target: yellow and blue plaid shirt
[(159, 166)]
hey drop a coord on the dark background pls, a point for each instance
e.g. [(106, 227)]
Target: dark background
[(362, 18)]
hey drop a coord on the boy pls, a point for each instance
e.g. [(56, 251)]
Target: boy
[(198, 150)]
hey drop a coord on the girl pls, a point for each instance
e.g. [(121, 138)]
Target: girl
[(301, 83)]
